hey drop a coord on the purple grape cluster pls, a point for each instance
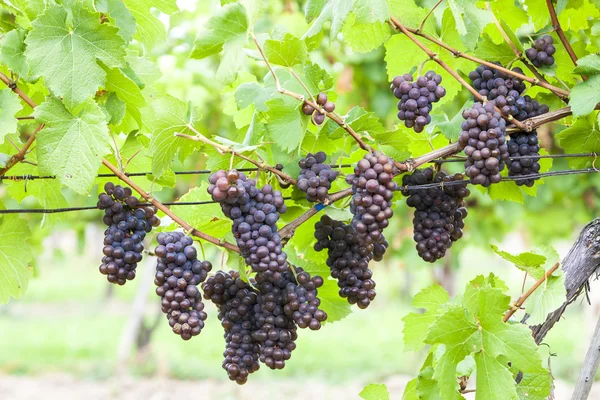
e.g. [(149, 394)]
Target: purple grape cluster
[(506, 92), (523, 144), (483, 138), (439, 211), (348, 260), (416, 98), (541, 53), (373, 188), (236, 301), (255, 213), (318, 117), (127, 228), (315, 177), (178, 272)]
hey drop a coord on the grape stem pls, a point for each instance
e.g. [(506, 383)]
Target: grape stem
[(561, 33), (452, 72), (457, 53), (228, 150), (428, 15), (331, 115), (532, 289), (520, 56)]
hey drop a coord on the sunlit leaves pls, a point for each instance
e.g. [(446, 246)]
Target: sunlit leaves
[(72, 143), (9, 106), (12, 51), (228, 23), (581, 137), (287, 52), (285, 127), (15, 255), (375, 391), (585, 95), (64, 47), (149, 29)]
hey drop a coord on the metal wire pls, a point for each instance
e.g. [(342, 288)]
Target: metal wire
[(574, 155)]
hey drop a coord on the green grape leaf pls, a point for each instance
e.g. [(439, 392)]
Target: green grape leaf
[(585, 95), (375, 391), (15, 256), (510, 14), (369, 11), (130, 93), (9, 106), (287, 52), (581, 137), (549, 296), (76, 39), (316, 78), (149, 29), (488, 50), (232, 60), (470, 21), (335, 11), (313, 8), (588, 65), (364, 37), (504, 190), (336, 307), (252, 93), (124, 19), (141, 70), (285, 125), (474, 328), (529, 262), (207, 218), (114, 108), (538, 12), (359, 119), (409, 13), (451, 129), (228, 23), (417, 325), (410, 390), (167, 116), (72, 143), (12, 52)]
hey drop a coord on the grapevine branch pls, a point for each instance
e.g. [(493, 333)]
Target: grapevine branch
[(532, 289), (560, 32), (331, 115), (188, 228), (519, 54), (452, 72), (228, 150), (457, 53)]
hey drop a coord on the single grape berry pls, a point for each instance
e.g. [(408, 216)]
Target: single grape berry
[(315, 177), (483, 139), (542, 51), (523, 144), (439, 211), (416, 98), (317, 116)]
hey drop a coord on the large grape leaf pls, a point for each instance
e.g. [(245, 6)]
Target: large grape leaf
[(470, 21), (416, 325), (550, 294), (228, 23), (581, 137), (15, 255), (474, 326), (285, 125), (149, 29), (72, 143), (335, 11), (364, 37), (538, 12), (12, 51), (167, 116), (127, 91), (488, 50), (9, 106), (123, 18), (64, 47), (287, 52), (409, 13), (588, 65), (358, 119), (529, 262)]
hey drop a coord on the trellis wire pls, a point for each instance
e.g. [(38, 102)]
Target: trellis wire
[(574, 155), (408, 187), (134, 174)]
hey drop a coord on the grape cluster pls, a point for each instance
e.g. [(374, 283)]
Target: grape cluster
[(318, 117), (540, 54), (506, 92), (255, 213), (483, 138), (127, 228), (416, 98), (439, 211), (348, 260), (372, 188), (236, 301), (178, 272), (301, 301), (315, 177), (523, 144)]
